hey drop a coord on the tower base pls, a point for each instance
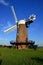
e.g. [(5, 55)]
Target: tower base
[(23, 45)]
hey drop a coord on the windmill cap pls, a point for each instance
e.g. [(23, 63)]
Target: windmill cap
[(22, 22)]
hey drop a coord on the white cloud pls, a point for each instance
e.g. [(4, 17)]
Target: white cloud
[(4, 39), (3, 2), (9, 24), (5, 27)]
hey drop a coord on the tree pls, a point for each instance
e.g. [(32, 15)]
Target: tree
[(35, 47)]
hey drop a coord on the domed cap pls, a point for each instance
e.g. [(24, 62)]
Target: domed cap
[(22, 22)]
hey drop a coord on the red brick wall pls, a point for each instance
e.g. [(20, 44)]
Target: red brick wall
[(22, 35)]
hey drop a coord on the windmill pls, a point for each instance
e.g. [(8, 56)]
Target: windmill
[(22, 34)]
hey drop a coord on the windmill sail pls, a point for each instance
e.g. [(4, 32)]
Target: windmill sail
[(14, 14), (10, 29), (32, 17)]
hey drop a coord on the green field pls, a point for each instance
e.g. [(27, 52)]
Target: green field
[(21, 57)]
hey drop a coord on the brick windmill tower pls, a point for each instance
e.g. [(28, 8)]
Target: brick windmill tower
[(22, 33)]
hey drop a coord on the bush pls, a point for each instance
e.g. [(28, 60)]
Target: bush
[(35, 47)]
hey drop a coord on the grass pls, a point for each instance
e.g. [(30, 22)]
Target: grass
[(21, 57)]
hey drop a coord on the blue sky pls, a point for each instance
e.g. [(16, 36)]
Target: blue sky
[(23, 9)]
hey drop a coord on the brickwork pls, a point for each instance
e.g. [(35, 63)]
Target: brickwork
[(22, 35)]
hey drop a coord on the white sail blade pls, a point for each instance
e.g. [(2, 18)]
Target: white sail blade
[(14, 14), (10, 29), (32, 17)]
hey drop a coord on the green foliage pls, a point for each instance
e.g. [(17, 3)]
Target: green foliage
[(21, 57), (35, 47)]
